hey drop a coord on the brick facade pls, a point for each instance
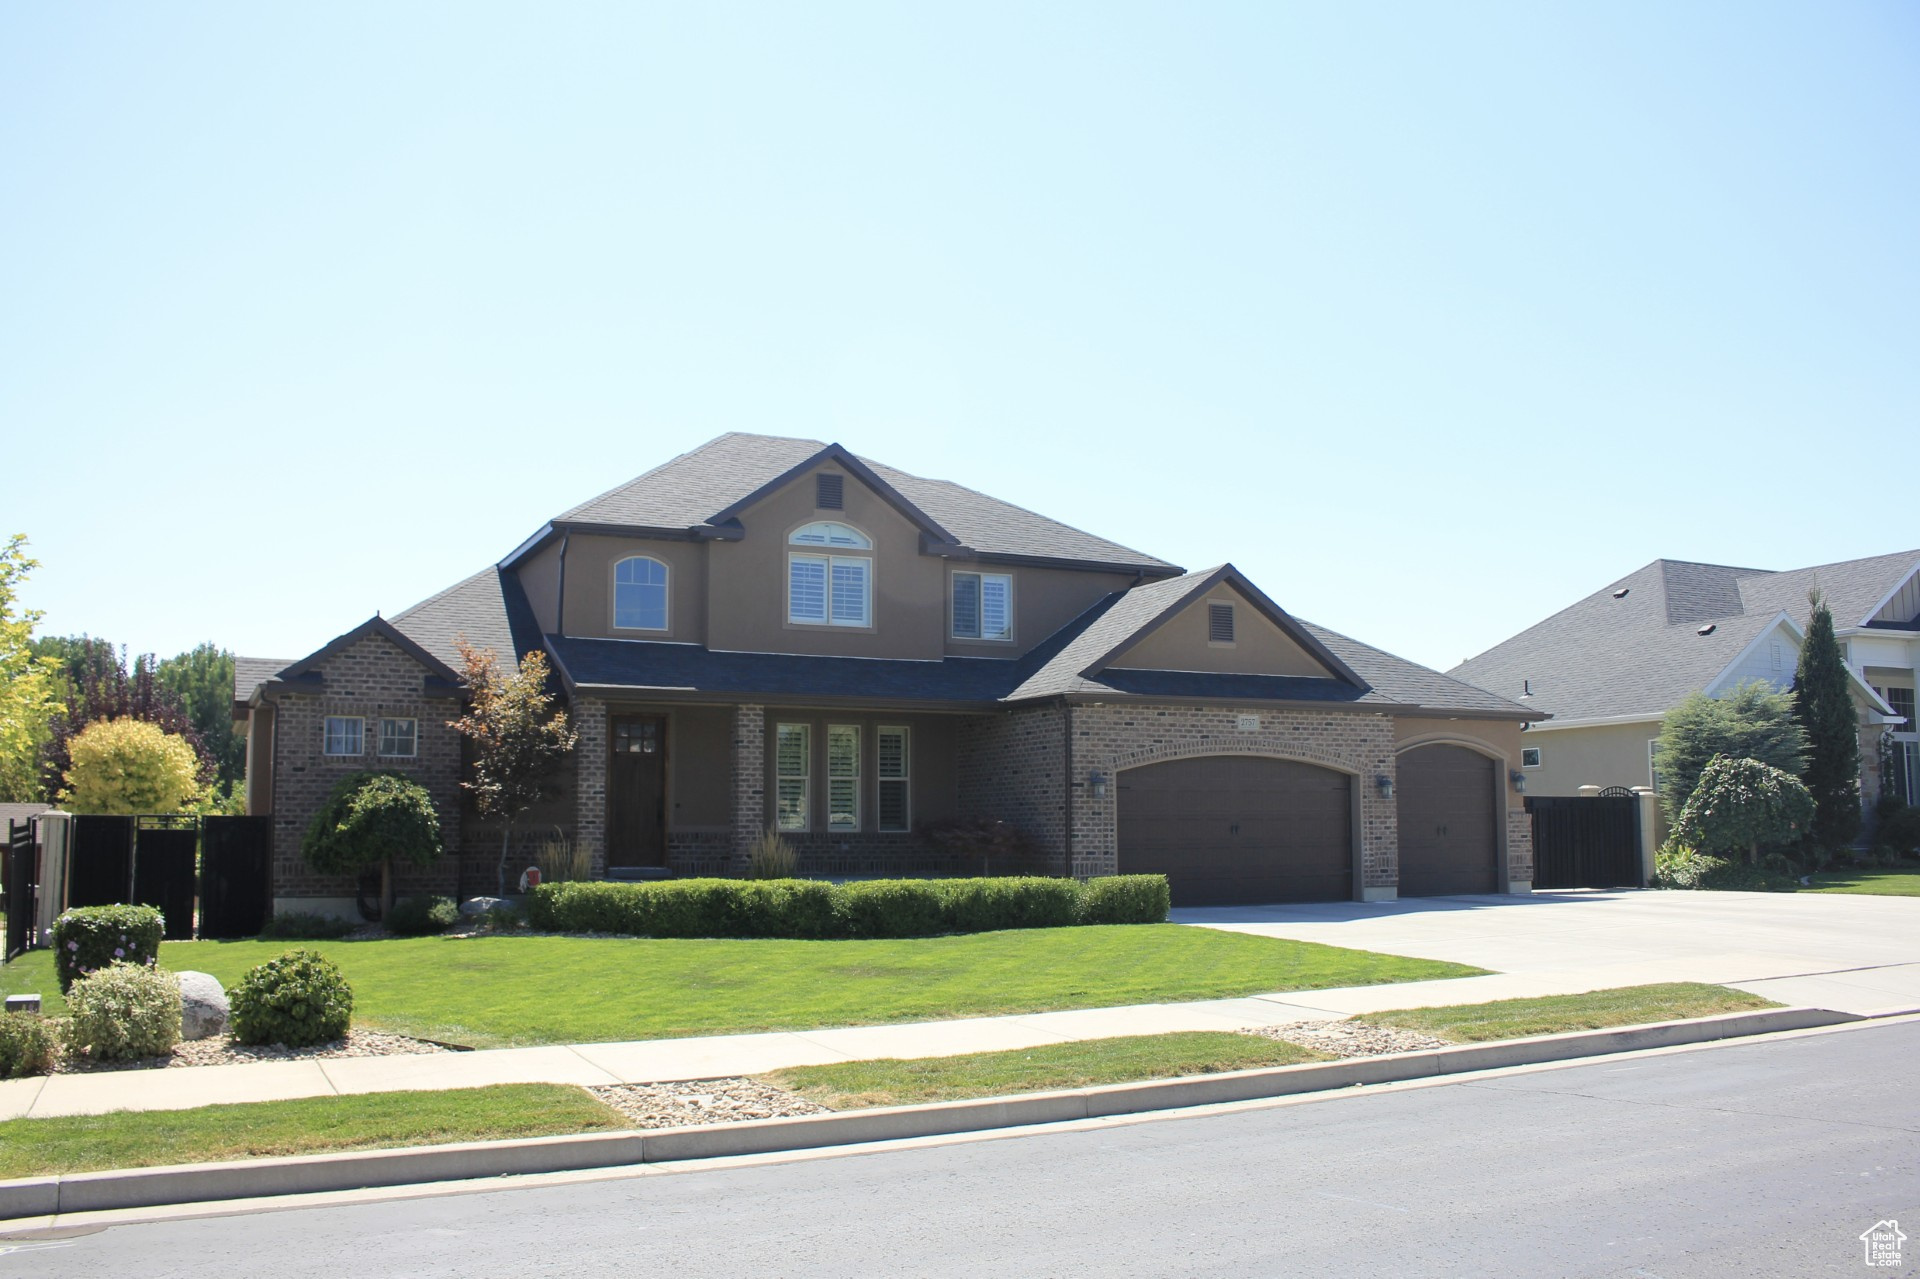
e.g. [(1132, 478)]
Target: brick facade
[(749, 781), (1108, 739), (1519, 847), (371, 679), (589, 719), (1013, 767)]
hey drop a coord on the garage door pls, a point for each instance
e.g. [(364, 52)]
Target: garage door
[(1447, 843), (1228, 829)]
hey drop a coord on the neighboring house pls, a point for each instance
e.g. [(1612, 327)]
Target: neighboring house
[(773, 633), (1611, 666)]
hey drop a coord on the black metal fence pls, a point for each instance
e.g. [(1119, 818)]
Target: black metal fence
[(210, 877), (1585, 841)]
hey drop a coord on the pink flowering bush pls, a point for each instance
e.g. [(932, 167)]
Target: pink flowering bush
[(88, 938)]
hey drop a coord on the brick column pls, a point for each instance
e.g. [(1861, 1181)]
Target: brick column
[(590, 793), (749, 780)]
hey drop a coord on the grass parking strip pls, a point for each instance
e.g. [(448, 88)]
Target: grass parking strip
[(309, 1126), (1554, 1014), (890, 1081), (507, 991)]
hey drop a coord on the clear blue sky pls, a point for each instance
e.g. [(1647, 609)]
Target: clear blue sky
[(1433, 318)]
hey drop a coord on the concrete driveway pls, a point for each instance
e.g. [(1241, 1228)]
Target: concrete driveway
[(1827, 950)]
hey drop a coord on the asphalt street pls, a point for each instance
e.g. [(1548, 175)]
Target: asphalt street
[(1765, 1158)]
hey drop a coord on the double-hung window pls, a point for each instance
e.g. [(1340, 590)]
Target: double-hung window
[(893, 766), (825, 588), (983, 606), (843, 777), (792, 767), (344, 735), (399, 738)]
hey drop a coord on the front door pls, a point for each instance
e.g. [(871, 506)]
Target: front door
[(637, 792)]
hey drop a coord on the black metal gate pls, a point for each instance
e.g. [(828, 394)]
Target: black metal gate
[(1585, 841), (236, 886), (18, 886), (100, 872), (166, 853)]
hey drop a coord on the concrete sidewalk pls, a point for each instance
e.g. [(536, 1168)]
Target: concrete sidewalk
[(1848, 954)]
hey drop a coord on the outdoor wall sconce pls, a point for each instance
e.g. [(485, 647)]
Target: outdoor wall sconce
[(1385, 784), (1519, 780), (1097, 782)]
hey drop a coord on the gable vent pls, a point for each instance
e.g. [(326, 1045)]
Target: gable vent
[(1220, 623), (829, 492)]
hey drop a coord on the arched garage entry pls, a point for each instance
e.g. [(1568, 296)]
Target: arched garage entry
[(1227, 829), (1448, 837)]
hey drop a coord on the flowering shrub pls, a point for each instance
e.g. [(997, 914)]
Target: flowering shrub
[(27, 1045), (88, 938), (296, 1000), (124, 1011)]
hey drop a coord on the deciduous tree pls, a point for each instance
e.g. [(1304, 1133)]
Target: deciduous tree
[(29, 684), (369, 820), (130, 766), (517, 734)]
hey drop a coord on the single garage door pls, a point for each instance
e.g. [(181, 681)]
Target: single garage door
[(1447, 842), (1228, 829)]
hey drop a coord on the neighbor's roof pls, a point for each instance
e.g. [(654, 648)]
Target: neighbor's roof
[(689, 491), (249, 673), (1639, 654)]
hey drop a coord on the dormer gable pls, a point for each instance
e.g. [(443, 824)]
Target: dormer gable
[(1224, 624)]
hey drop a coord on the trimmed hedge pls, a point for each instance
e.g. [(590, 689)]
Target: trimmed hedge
[(87, 939), (814, 910)]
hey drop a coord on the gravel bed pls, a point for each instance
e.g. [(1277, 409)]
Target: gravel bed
[(220, 1050), (1349, 1038), (703, 1101)]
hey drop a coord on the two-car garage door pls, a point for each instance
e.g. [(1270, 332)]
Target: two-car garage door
[(1228, 829)]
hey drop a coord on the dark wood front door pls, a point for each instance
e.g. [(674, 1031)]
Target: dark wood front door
[(637, 792)]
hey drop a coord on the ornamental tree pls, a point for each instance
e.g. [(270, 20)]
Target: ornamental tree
[(100, 686), (1743, 805), (130, 766), (1823, 702), (29, 683), (517, 736), (1755, 721), (369, 820)]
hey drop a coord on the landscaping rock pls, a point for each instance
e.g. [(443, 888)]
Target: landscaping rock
[(203, 1006), (703, 1101), (1350, 1038)]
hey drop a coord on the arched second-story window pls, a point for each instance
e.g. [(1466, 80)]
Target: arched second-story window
[(640, 594), (829, 576)]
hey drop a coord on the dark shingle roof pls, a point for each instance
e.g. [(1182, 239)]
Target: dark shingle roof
[(1604, 657), (692, 488), (490, 609), (1053, 669), (250, 673)]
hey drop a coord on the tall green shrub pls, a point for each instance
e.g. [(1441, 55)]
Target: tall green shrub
[(298, 999), (369, 820), (1744, 806), (1755, 721), (1823, 698)]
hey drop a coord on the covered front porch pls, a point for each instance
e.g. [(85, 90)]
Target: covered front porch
[(685, 789)]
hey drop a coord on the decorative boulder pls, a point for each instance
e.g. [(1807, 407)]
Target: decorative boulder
[(474, 907), (203, 1006)]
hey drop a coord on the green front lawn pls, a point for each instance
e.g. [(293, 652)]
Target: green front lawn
[(890, 1081), (1595, 1010), (1878, 883), (490, 992), (309, 1126)]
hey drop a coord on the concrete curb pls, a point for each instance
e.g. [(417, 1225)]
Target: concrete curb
[(254, 1178)]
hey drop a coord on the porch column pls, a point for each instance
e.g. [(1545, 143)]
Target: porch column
[(590, 798), (749, 781)]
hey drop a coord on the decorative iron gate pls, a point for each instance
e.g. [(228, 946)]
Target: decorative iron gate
[(1585, 841), (236, 885), (18, 885)]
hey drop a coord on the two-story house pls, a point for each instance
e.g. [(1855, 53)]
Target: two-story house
[(771, 633), (1609, 667)]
